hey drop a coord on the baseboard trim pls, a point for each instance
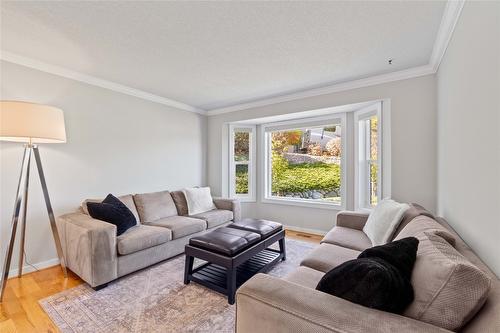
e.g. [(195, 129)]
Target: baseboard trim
[(306, 230), (29, 269)]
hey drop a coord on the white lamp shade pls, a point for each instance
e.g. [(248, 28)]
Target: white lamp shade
[(31, 122)]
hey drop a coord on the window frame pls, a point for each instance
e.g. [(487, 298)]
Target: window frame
[(361, 188), (252, 175), (266, 165)]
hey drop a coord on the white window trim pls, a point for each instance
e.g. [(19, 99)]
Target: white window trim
[(382, 110), (252, 173), (266, 196)]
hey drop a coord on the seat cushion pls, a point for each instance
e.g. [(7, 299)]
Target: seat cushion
[(225, 240), (305, 276), (215, 217), (141, 237), (155, 206), (328, 256), (347, 237), (263, 227), (180, 225)]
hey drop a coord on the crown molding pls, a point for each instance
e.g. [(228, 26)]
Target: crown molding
[(95, 81), (349, 85), (451, 14)]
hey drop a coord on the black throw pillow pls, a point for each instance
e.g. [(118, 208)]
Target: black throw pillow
[(380, 278), (114, 211)]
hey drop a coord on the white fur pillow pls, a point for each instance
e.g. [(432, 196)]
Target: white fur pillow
[(383, 220), (199, 200)]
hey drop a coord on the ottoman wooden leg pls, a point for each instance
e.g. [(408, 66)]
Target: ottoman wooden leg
[(188, 268), (231, 284), (282, 248)]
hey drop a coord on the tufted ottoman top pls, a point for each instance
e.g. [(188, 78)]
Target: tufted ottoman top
[(264, 228), (225, 240)]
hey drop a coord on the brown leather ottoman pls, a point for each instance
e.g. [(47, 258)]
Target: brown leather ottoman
[(234, 254)]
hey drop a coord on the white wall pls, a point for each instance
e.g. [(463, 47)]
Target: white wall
[(413, 130), (116, 143), (468, 83)]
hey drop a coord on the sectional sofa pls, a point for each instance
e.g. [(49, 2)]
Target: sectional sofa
[(292, 304), (94, 252)]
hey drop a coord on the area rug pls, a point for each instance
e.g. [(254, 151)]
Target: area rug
[(153, 300)]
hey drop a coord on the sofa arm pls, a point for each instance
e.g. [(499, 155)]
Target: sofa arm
[(89, 247), (353, 220), (269, 304), (233, 205)]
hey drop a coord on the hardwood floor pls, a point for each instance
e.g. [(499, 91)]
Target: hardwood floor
[(20, 311)]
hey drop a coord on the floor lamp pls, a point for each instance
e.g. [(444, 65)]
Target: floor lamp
[(32, 124)]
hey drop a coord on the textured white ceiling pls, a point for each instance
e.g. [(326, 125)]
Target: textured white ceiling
[(216, 54)]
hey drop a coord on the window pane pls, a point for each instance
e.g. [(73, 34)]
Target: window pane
[(373, 184), (305, 163), (241, 146), (373, 138), (241, 178)]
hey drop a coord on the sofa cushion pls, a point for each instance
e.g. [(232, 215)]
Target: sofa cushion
[(411, 213), (305, 276), (141, 237), (198, 200), (327, 256), (449, 289), (128, 200), (347, 237), (113, 211), (180, 225), (422, 224), (383, 220), (180, 202), (215, 217), (154, 206)]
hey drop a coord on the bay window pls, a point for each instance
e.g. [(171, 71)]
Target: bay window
[(336, 158)]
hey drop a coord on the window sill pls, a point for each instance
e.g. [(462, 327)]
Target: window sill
[(245, 199), (303, 203)]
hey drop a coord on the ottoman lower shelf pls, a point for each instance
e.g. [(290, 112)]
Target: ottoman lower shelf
[(225, 273), (215, 276)]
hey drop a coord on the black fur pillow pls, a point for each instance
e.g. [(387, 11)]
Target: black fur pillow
[(112, 210), (380, 278)]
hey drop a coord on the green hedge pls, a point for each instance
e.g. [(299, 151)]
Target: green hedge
[(306, 177), (241, 181), (298, 178)]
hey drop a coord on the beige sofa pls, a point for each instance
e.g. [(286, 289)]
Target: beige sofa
[(291, 304), (94, 252)]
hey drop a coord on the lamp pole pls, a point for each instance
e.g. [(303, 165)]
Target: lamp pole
[(22, 198)]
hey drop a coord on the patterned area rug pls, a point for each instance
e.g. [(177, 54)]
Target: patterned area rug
[(154, 299)]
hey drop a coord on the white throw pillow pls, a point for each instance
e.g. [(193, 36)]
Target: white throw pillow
[(199, 200), (383, 220)]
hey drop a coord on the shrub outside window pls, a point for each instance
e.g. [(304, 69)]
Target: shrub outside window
[(305, 162)]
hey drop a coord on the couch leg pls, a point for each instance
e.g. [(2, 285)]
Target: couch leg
[(97, 288)]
